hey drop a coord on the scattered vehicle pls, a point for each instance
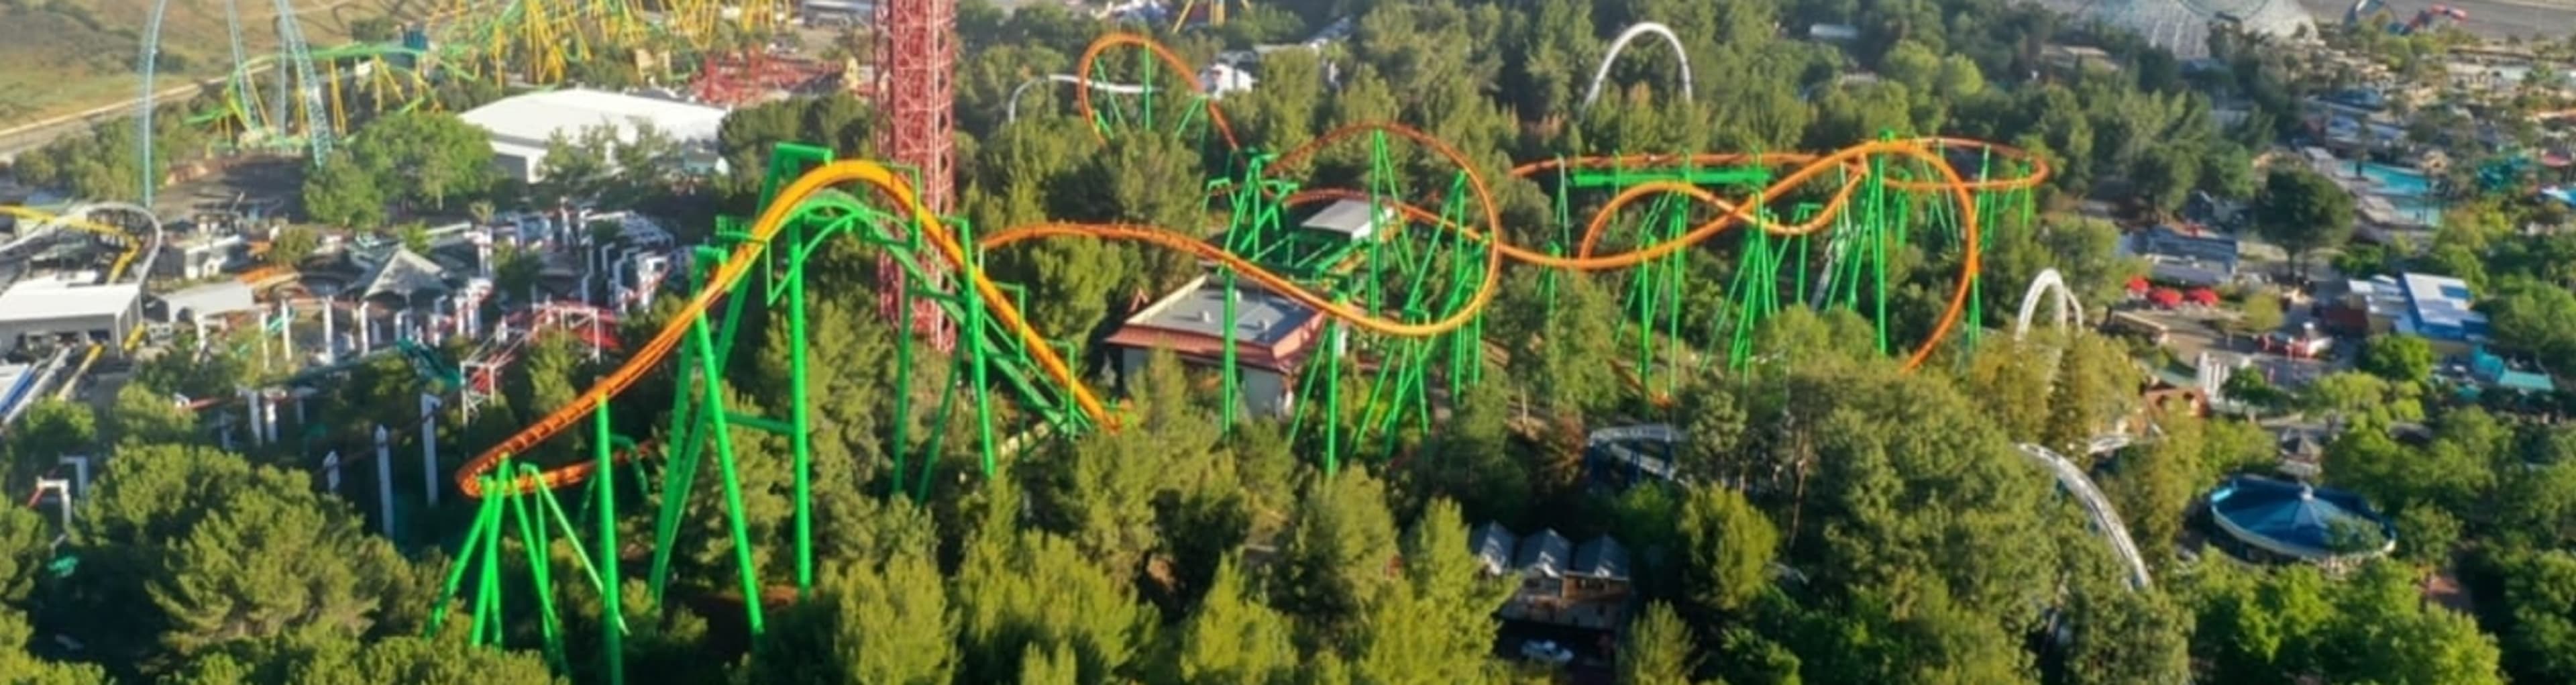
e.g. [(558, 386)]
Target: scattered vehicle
[(1547, 652)]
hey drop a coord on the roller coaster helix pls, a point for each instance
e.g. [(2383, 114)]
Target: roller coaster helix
[(1420, 281)]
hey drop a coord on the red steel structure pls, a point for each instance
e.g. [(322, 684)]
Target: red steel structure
[(916, 58), (735, 79)]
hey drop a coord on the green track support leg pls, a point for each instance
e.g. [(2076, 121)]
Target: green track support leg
[(713, 396), (799, 418), (612, 620)]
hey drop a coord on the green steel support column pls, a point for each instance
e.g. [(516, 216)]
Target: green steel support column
[(799, 415), (487, 629), (974, 305), (713, 398), (1381, 186), (612, 623), (1878, 241), (532, 542), (687, 426), (930, 448), (1228, 370), (1673, 289), (1333, 397), (456, 569), (903, 388)]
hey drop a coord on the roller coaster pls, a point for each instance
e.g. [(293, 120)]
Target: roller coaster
[(1821, 231), (137, 240), (296, 98)]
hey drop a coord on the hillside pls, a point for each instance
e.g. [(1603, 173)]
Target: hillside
[(61, 56)]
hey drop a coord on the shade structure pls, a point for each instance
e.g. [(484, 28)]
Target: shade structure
[(2295, 519)]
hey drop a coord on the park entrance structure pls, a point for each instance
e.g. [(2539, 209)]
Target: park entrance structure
[(1391, 282)]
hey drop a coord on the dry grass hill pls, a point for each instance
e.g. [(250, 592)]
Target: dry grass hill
[(61, 56)]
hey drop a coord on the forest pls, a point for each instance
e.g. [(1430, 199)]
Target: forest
[(1852, 523)]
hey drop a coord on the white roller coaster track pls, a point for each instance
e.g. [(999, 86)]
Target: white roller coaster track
[(2068, 310), (1011, 110), (1593, 92), (2097, 506)]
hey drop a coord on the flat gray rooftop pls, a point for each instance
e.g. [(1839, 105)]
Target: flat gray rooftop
[(1261, 317), (1346, 217)]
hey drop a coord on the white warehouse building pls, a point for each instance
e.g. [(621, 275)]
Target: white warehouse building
[(66, 307), (520, 126)]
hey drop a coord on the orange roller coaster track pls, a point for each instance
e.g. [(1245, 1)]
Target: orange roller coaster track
[(892, 187), (808, 207)]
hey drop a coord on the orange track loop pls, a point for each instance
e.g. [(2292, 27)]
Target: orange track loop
[(1090, 55), (1958, 187)]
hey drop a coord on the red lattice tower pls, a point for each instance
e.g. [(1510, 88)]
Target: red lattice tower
[(916, 57)]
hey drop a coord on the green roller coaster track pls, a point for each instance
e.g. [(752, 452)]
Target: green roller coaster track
[(1356, 397)]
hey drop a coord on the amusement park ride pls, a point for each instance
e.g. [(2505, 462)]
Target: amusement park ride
[(299, 99), (1813, 230), (1817, 230)]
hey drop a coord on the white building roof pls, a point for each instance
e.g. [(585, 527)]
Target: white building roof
[(55, 300), (1220, 79), (2379, 295), (2442, 301), (521, 125), (1348, 217), (208, 300), (1198, 308)]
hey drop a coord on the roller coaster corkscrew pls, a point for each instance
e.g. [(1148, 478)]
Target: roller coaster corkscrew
[(1422, 285)]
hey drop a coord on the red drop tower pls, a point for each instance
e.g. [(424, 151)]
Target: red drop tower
[(916, 58)]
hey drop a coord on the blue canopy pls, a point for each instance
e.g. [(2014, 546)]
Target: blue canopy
[(2292, 519)]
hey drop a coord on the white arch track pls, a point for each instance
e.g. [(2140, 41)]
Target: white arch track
[(1593, 92), (2068, 310), (1011, 110), (2097, 506)]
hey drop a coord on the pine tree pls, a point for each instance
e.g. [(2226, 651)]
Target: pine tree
[(1056, 666), (324, 659), (1729, 546), (896, 627), (1437, 626), (1338, 551), (1658, 649), (1019, 590), (1232, 638)]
